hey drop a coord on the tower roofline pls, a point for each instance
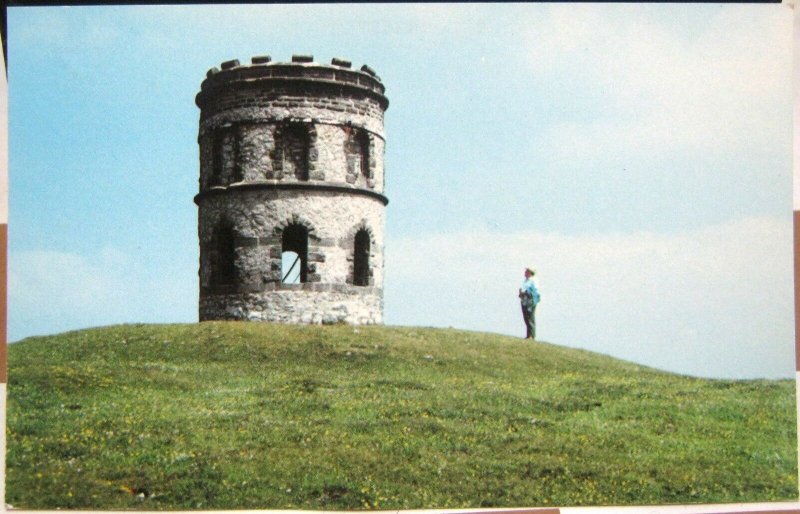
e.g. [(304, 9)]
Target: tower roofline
[(302, 69)]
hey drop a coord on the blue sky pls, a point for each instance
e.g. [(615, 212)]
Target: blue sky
[(638, 156)]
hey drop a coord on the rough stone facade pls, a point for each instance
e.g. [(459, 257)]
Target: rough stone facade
[(291, 164)]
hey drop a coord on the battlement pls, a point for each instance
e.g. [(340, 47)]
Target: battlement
[(302, 68)]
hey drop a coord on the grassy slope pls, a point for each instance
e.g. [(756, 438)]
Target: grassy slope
[(237, 415)]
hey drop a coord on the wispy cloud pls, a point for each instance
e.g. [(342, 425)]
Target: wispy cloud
[(698, 302), (53, 291), (724, 88)]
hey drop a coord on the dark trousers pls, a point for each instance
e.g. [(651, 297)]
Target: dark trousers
[(529, 317)]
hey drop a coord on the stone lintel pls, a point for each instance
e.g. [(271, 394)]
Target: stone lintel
[(244, 241), (269, 241)]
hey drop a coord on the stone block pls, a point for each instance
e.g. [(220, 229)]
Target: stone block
[(246, 242)]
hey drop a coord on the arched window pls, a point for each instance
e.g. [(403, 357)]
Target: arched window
[(294, 255), (223, 256), (296, 142), (361, 259)]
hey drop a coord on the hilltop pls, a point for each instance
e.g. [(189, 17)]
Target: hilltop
[(243, 415)]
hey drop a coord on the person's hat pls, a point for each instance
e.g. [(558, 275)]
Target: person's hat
[(532, 270)]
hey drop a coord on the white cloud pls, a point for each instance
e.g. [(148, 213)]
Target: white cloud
[(51, 291), (725, 89), (64, 29), (638, 49), (692, 302)]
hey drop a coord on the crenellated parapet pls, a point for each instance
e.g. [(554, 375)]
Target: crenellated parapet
[(302, 72)]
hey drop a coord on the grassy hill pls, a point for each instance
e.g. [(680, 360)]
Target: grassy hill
[(238, 415)]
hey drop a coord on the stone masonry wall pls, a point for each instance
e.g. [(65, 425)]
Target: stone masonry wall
[(285, 146), (252, 147), (297, 306), (258, 217), (282, 103), (333, 220)]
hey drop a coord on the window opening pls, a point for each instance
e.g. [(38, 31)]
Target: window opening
[(362, 144), (218, 158), (361, 259), (223, 256), (289, 268), (224, 152), (294, 255), (296, 142)]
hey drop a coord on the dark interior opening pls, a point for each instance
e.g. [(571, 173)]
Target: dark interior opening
[(223, 257), (362, 142), (218, 158), (296, 142), (361, 259)]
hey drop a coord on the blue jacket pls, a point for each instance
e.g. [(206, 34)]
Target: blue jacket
[(532, 292)]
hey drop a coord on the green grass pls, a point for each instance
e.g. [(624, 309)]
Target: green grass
[(242, 415)]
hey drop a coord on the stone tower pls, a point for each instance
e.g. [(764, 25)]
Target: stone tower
[(291, 204)]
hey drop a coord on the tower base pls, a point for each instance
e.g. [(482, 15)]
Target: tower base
[(298, 304)]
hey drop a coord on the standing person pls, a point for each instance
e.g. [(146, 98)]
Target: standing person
[(529, 297)]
